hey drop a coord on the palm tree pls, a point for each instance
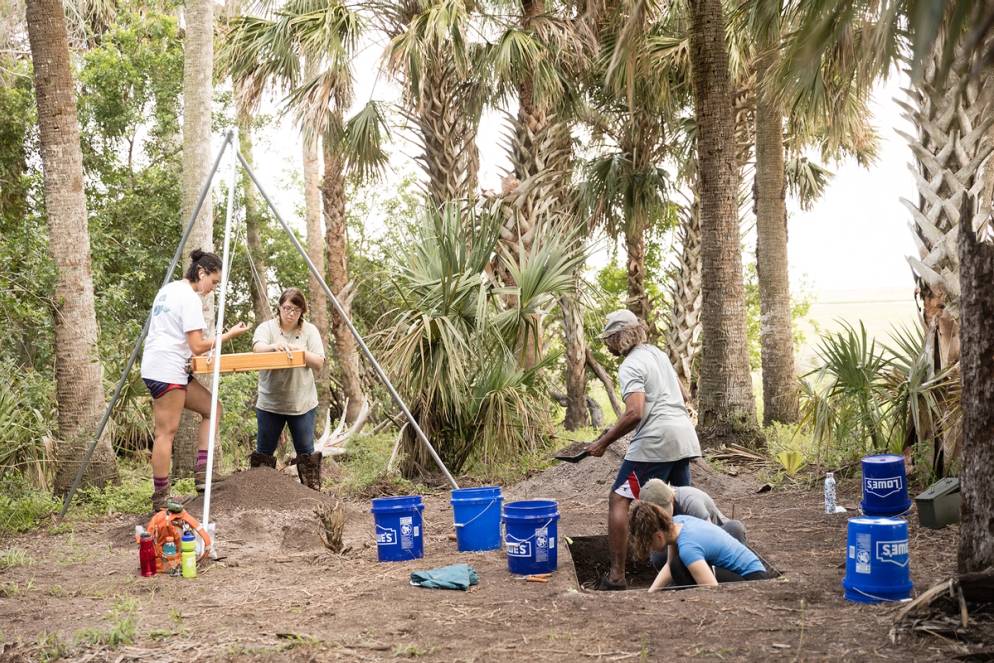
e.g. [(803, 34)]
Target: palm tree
[(450, 340), (726, 399), (431, 52), (949, 51), (531, 59), (321, 34), (78, 372)]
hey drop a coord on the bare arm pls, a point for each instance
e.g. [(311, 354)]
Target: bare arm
[(199, 344), (627, 422), (664, 578), (702, 574)]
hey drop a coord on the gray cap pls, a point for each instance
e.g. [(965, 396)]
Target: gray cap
[(618, 321), (657, 492)]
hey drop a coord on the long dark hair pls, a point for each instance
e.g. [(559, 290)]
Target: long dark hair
[(209, 262), (644, 520), (295, 297)]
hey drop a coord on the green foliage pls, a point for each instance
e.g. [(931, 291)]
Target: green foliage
[(26, 408), (22, 506), (454, 341), (871, 397)]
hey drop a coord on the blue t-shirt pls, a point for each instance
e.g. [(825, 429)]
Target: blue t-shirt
[(700, 539)]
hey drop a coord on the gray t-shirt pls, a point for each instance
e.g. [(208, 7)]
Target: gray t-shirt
[(288, 390), (690, 501), (665, 433)]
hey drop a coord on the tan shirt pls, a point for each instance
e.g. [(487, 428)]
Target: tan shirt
[(288, 390)]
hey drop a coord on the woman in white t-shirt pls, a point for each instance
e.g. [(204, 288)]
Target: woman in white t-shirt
[(176, 333), (288, 397)]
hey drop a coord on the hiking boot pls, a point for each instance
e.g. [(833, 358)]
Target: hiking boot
[(309, 470), (159, 499), (200, 479), (258, 459)]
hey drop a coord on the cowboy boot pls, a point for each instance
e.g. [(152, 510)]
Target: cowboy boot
[(309, 470), (259, 459)]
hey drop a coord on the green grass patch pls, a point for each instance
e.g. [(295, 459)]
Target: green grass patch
[(121, 630), (14, 557), (23, 507)]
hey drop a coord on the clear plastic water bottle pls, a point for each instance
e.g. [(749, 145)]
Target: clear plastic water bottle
[(830, 493), (169, 554)]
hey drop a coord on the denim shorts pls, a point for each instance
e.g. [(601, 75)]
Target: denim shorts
[(633, 474)]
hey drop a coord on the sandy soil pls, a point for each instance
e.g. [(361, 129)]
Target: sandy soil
[(277, 594)]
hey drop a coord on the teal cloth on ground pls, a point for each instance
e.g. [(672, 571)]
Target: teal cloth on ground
[(454, 576)]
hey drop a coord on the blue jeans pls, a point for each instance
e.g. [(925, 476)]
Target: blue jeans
[(272, 424)]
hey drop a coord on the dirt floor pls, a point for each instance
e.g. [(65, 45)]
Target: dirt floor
[(278, 594)]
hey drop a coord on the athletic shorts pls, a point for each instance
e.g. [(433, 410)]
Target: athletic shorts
[(157, 388), (633, 474)]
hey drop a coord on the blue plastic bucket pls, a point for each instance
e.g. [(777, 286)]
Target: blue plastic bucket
[(476, 513), (530, 536), (399, 530), (877, 567), (885, 488)]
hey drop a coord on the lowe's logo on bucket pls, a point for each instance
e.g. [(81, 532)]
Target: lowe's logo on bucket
[(516, 548), (893, 552), (882, 487), (385, 536)]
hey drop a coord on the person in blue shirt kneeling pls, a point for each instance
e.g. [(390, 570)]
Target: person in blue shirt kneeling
[(694, 547)]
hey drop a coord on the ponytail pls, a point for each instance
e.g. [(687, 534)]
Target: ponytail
[(209, 262)]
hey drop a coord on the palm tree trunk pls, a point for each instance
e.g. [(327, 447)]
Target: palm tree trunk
[(258, 280), (333, 195), (953, 141), (316, 248), (780, 390), (78, 372), (448, 119), (976, 256), (576, 355), (198, 90), (683, 334), (725, 396), (638, 297)]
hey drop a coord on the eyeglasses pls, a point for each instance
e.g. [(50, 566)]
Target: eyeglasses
[(291, 310)]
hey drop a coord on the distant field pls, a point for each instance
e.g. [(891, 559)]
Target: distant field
[(879, 309)]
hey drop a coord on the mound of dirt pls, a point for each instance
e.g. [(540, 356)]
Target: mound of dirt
[(259, 488)]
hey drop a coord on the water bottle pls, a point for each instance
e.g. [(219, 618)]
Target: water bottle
[(169, 553), (188, 544), (830, 493), (146, 554)]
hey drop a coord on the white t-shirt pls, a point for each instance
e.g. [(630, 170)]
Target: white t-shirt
[(178, 309), (665, 433)]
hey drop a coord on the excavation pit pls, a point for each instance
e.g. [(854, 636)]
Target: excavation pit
[(591, 561)]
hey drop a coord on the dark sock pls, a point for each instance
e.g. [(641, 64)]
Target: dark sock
[(201, 459), (158, 483)]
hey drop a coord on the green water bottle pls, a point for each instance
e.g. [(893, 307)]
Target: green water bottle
[(188, 544)]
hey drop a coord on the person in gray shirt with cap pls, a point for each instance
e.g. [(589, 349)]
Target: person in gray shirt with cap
[(664, 440)]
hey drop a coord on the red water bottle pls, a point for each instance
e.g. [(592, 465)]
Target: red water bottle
[(146, 554)]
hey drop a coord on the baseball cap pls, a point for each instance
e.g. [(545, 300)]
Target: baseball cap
[(617, 321)]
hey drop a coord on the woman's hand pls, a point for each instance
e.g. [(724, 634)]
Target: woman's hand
[(238, 329)]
